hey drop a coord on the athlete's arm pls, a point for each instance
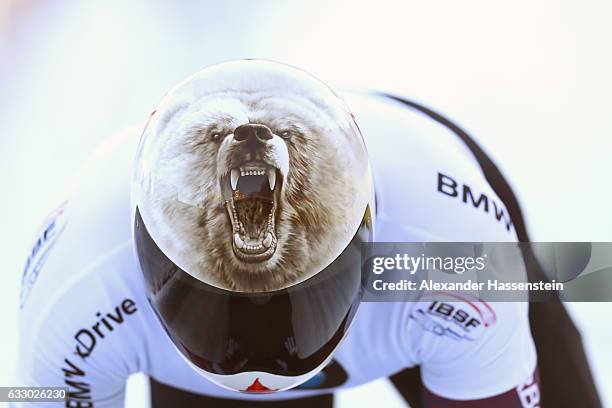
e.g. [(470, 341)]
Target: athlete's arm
[(72, 332), (552, 340), (80, 317), (447, 197)]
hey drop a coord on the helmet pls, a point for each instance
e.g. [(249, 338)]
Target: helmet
[(252, 195)]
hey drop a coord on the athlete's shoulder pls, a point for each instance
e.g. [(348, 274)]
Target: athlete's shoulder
[(92, 220), (430, 182), (82, 303)]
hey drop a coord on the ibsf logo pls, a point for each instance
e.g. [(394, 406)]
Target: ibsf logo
[(52, 227), (458, 318)]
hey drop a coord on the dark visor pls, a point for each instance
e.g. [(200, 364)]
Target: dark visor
[(286, 332)]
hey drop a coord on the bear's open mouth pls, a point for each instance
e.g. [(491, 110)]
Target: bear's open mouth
[(252, 207)]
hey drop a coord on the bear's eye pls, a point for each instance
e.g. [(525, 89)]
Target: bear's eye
[(215, 136), (285, 134)]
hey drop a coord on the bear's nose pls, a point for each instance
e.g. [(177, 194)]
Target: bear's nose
[(252, 132)]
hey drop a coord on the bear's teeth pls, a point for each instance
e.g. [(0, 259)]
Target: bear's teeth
[(239, 243), (235, 174), (267, 240), (271, 178)]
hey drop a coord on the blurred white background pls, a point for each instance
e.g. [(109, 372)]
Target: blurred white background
[(530, 80)]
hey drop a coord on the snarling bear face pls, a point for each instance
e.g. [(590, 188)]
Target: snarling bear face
[(253, 191)]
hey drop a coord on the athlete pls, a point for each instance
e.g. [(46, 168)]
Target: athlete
[(224, 261)]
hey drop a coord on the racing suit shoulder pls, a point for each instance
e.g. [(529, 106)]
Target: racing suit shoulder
[(81, 322), (430, 186), (93, 219)]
